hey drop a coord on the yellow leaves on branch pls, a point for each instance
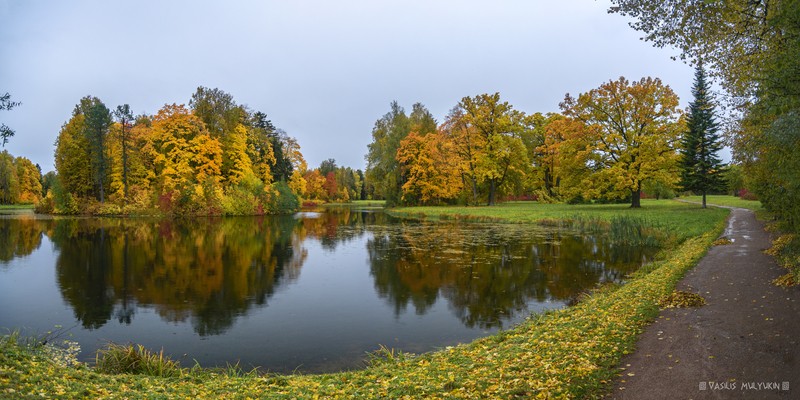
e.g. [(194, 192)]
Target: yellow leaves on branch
[(183, 150), (632, 132), (431, 172)]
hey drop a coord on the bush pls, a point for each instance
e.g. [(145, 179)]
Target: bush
[(284, 201), (47, 205)]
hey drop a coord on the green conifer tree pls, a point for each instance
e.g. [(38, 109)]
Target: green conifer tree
[(701, 167)]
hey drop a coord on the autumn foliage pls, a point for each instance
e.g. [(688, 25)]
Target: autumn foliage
[(215, 157), (609, 144)]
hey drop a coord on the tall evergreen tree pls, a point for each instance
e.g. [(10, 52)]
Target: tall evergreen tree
[(125, 117), (97, 122), (701, 167)]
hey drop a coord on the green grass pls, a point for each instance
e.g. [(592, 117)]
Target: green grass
[(358, 203), (569, 353), (16, 207), (680, 219), (728, 201)]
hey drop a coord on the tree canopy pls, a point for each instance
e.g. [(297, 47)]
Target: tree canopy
[(215, 157), (631, 136)]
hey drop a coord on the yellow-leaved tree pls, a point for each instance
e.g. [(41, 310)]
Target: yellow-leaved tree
[(486, 134), (632, 130), (186, 159), (429, 167)]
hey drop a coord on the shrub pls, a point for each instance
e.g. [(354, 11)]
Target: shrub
[(284, 201), (47, 205)]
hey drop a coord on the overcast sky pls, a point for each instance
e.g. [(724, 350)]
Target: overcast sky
[(323, 71)]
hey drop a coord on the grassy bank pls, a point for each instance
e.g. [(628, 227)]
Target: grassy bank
[(359, 204), (16, 207), (727, 201), (570, 353), (679, 219)]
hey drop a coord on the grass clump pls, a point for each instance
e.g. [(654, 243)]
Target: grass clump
[(135, 359), (681, 299)]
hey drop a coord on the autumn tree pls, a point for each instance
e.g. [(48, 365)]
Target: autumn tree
[(331, 186), (216, 157), (432, 173), (315, 183), (382, 169), (632, 131), (125, 118), (752, 48), (486, 133), (217, 109), (72, 161), (236, 162), (187, 159), (29, 180), (9, 184), (6, 104), (96, 124), (327, 166), (733, 38), (223, 120), (291, 152), (266, 150), (701, 167), (557, 156)]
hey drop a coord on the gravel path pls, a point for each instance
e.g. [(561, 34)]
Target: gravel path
[(744, 343)]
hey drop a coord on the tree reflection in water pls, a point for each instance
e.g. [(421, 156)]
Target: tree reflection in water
[(489, 272), (211, 271)]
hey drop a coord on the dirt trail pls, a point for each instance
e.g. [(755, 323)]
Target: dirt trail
[(744, 343)]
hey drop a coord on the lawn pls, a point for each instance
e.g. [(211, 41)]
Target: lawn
[(16, 206), (728, 201), (569, 353), (681, 219)]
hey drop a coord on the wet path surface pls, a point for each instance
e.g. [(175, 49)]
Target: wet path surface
[(744, 343)]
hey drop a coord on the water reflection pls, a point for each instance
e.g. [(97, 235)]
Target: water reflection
[(210, 273), (488, 273), (19, 236)]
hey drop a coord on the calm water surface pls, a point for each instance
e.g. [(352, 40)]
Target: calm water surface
[(311, 292)]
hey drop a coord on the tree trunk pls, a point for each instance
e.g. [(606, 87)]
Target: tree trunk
[(636, 199), (124, 161), (474, 191), (491, 192), (704, 199)]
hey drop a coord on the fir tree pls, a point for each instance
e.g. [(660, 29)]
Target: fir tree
[(701, 167)]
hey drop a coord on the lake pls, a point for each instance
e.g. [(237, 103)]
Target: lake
[(312, 292)]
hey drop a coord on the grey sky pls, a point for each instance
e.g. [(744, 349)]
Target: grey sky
[(323, 71)]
